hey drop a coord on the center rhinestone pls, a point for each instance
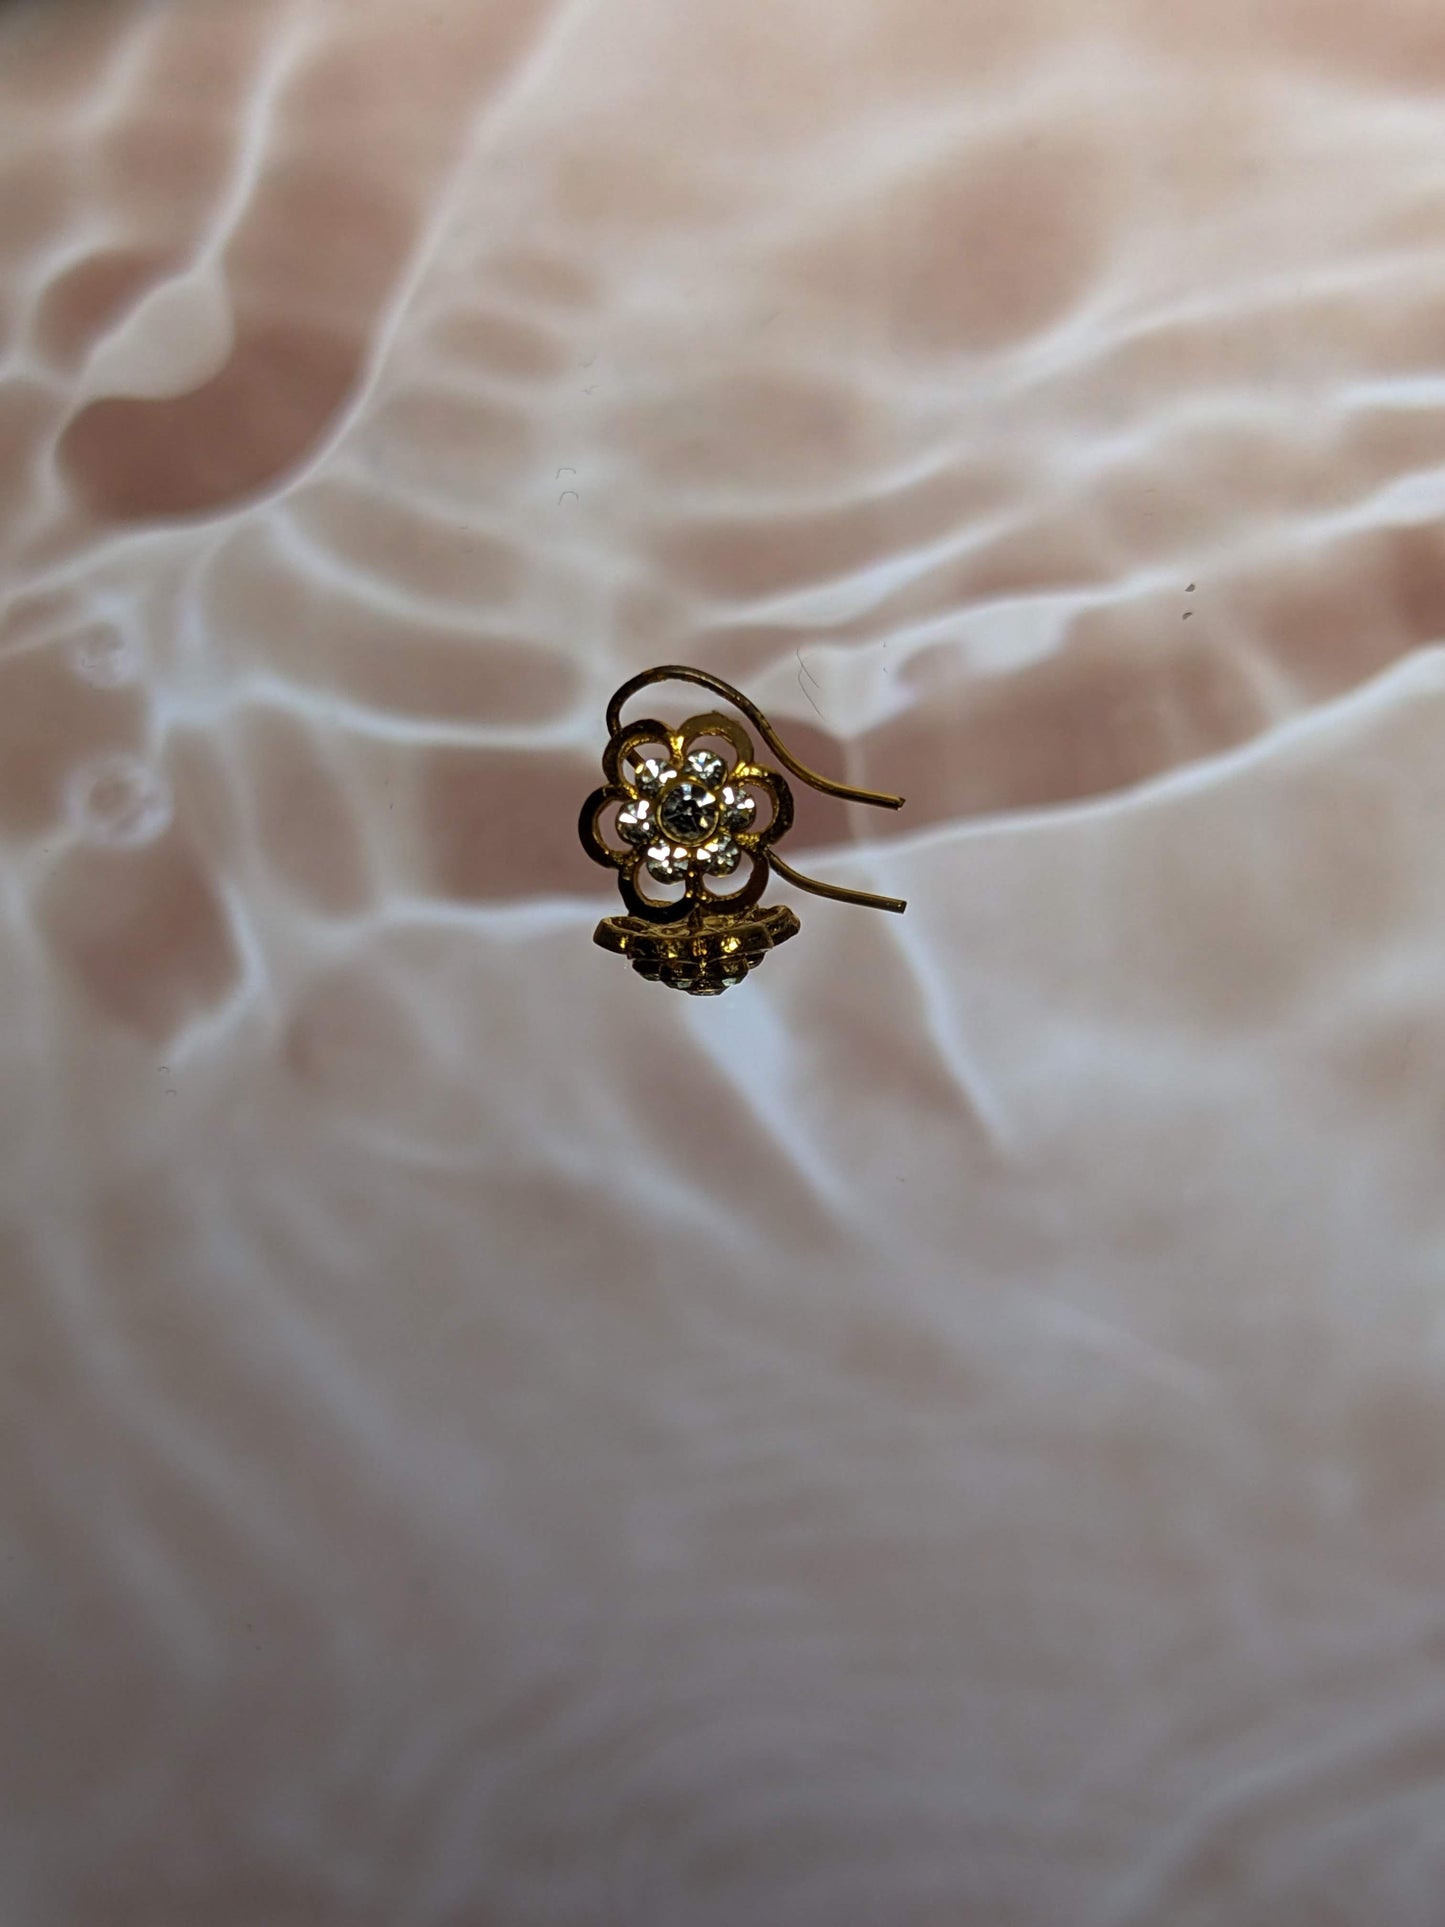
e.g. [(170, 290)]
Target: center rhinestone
[(688, 812)]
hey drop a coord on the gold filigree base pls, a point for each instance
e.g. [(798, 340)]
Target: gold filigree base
[(705, 957)]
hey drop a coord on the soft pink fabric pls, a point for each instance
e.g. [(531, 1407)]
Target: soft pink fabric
[(951, 1434)]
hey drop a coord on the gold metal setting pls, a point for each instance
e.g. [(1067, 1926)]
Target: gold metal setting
[(687, 812)]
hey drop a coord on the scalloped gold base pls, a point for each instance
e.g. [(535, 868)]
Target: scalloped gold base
[(705, 958)]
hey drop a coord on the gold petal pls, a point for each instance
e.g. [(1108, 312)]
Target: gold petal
[(775, 788), (714, 723), (589, 826), (650, 909), (739, 899), (648, 730)]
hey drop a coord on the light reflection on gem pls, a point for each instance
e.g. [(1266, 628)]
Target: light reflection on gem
[(706, 766), (668, 862), (649, 774), (720, 857), (688, 812), (738, 808), (634, 821)]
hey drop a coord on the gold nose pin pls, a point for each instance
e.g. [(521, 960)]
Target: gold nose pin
[(688, 807)]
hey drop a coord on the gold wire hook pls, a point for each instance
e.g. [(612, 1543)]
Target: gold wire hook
[(676, 672)]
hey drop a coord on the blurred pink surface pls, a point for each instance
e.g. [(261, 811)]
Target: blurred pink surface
[(953, 1431)]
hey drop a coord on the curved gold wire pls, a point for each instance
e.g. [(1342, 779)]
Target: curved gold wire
[(678, 672), (834, 890), (675, 672)]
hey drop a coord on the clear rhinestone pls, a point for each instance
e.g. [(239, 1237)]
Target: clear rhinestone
[(738, 808), (688, 812), (706, 765), (720, 857), (634, 821), (668, 862), (649, 774)]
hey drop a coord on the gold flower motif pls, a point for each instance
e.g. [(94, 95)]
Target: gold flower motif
[(686, 815)]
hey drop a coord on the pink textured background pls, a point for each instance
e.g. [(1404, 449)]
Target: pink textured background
[(954, 1431)]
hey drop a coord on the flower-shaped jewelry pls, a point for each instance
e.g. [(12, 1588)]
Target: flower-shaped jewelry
[(686, 817), (688, 813), (680, 810)]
